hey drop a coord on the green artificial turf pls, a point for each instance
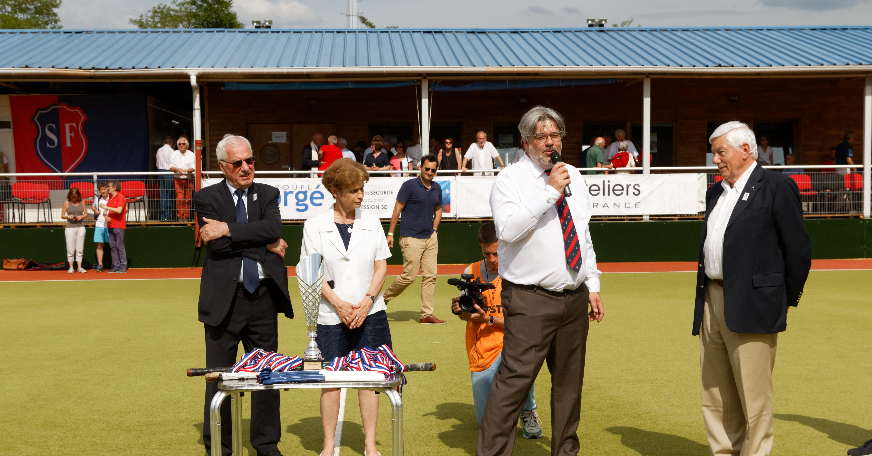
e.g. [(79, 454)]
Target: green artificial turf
[(98, 368)]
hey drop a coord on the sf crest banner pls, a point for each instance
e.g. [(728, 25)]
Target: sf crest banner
[(79, 133)]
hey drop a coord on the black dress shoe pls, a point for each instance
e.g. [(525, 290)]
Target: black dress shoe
[(862, 450), (273, 452)]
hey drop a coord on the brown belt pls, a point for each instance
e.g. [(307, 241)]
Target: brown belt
[(718, 282)]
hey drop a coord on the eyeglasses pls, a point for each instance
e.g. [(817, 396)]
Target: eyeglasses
[(183, 144), (432, 170), (448, 142), (237, 163), (555, 136)]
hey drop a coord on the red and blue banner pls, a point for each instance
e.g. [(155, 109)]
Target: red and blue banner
[(80, 133)]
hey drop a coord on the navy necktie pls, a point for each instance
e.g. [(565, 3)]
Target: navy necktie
[(249, 267)]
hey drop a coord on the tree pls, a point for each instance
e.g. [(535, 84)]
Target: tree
[(29, 14), (190, 14), (627, 23), (365, 21)]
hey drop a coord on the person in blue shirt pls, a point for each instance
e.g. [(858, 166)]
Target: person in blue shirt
[(845, 151)]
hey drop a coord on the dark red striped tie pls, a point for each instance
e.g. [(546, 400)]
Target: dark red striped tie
[(570, 236)]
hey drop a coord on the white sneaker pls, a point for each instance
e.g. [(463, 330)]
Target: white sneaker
[(82, 270), (530, 424), (71, 271)]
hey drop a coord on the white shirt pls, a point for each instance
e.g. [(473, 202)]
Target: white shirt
[(348, 154), (481, 157), (260, 274), (416, 153), (101, 219), (612, 150), (713, 249), (531, 247), (185, 161), (163, 158), (351, 269), (518, 154)]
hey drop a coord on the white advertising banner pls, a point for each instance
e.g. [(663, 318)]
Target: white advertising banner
[(302, 198)]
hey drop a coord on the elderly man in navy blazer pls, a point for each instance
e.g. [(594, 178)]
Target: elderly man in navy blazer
[(754, 259), (244, 285)]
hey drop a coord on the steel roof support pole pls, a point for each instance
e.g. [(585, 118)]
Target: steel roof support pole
[(646, 126), (198, 172), (425, 118), (867, 145)]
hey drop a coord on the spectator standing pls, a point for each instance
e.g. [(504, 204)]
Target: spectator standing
[(116, 210), (352, 313), (163, 162), (358, 150), (74, 212), (414, 150), (378, 160), (183, 163), (310, 153), (519, 154), (401, 161), (434, 146), (368, 150), (389, 146), (420, 202), (622, 159), (343, 144), (595, 156), (101, 232), (329, 153), (449, 156), (481, 154), (845, 152), (484, 333), (765, 154), (612, 148)]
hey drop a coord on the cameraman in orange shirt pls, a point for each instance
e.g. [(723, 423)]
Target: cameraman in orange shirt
[(484, 333)]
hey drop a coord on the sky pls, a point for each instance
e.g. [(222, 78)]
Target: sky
[(440, 14)]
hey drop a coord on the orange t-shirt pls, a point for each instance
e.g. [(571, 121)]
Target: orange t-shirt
[(117, 220), (484, 342)]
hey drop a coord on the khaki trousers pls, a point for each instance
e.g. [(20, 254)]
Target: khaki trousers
[(417, 253), (737, 392)]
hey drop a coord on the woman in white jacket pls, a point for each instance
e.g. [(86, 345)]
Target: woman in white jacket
[(352, 313)]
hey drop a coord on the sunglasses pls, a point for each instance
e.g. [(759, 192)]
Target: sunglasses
[(237, 163), (448, 142), (183, 144), (432, 170)]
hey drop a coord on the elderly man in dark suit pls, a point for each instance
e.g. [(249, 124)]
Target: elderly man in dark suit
[(754, 259), (244, 283)]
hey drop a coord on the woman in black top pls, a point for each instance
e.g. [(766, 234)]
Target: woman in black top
[(449, 156), (378, 160)]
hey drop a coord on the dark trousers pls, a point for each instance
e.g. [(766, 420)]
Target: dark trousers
[(251, 320), (539, 326), (116, 246)]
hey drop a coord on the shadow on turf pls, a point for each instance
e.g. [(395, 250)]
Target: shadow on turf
[(246, 427), (311, 435), (463, 434), (404, 315), (846, 434), (649, 443)]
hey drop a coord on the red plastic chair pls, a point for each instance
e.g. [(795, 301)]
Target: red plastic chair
[(24, 193), (718, 178), (854, 188), (803, 181), (86, 189), (134, 194)]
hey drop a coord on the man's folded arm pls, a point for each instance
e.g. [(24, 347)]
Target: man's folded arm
[(260, 233)]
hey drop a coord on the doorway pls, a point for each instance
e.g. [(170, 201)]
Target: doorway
[(270, 146), (302, 136)]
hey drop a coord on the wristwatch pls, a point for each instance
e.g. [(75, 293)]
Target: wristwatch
[(491, 320), (371, 297)]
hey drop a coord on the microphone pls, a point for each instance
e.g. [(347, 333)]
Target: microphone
[(555, 159)]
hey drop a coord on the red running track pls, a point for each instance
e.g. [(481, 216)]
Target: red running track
[(445, 269)]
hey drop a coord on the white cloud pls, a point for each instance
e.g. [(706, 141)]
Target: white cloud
[(283, 13), (536, 9)]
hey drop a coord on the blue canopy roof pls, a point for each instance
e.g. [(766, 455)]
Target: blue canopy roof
[(446, 52)]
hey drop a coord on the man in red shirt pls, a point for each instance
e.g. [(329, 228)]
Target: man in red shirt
[(115, 212)]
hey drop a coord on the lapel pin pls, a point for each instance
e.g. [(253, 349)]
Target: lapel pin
[(752, 187), (254, 197), (745, 196)]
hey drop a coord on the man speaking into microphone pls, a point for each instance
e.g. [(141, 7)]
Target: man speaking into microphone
[(548, 267)]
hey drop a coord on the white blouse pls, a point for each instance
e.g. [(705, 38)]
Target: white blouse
[(351, 269)]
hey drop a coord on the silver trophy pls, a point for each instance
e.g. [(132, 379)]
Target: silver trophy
[(310, 275)]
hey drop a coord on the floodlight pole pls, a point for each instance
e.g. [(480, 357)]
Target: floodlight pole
[(867, 146), (425, 117)]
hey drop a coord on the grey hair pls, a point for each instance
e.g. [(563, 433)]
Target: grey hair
[(229, 140), (332, 140), (343, 142), (599, 141), (738, 133), (623, 145), (848, 135), (169, 140), (620, 131), (536, 114)]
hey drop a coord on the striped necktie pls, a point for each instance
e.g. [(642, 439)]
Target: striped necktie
[(570, 236), (250, 279)]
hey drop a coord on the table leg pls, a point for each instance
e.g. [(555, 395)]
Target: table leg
[(236, 415), (396, 421), (215, 421)]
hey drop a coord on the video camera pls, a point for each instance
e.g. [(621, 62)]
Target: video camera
[(473, 289)]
